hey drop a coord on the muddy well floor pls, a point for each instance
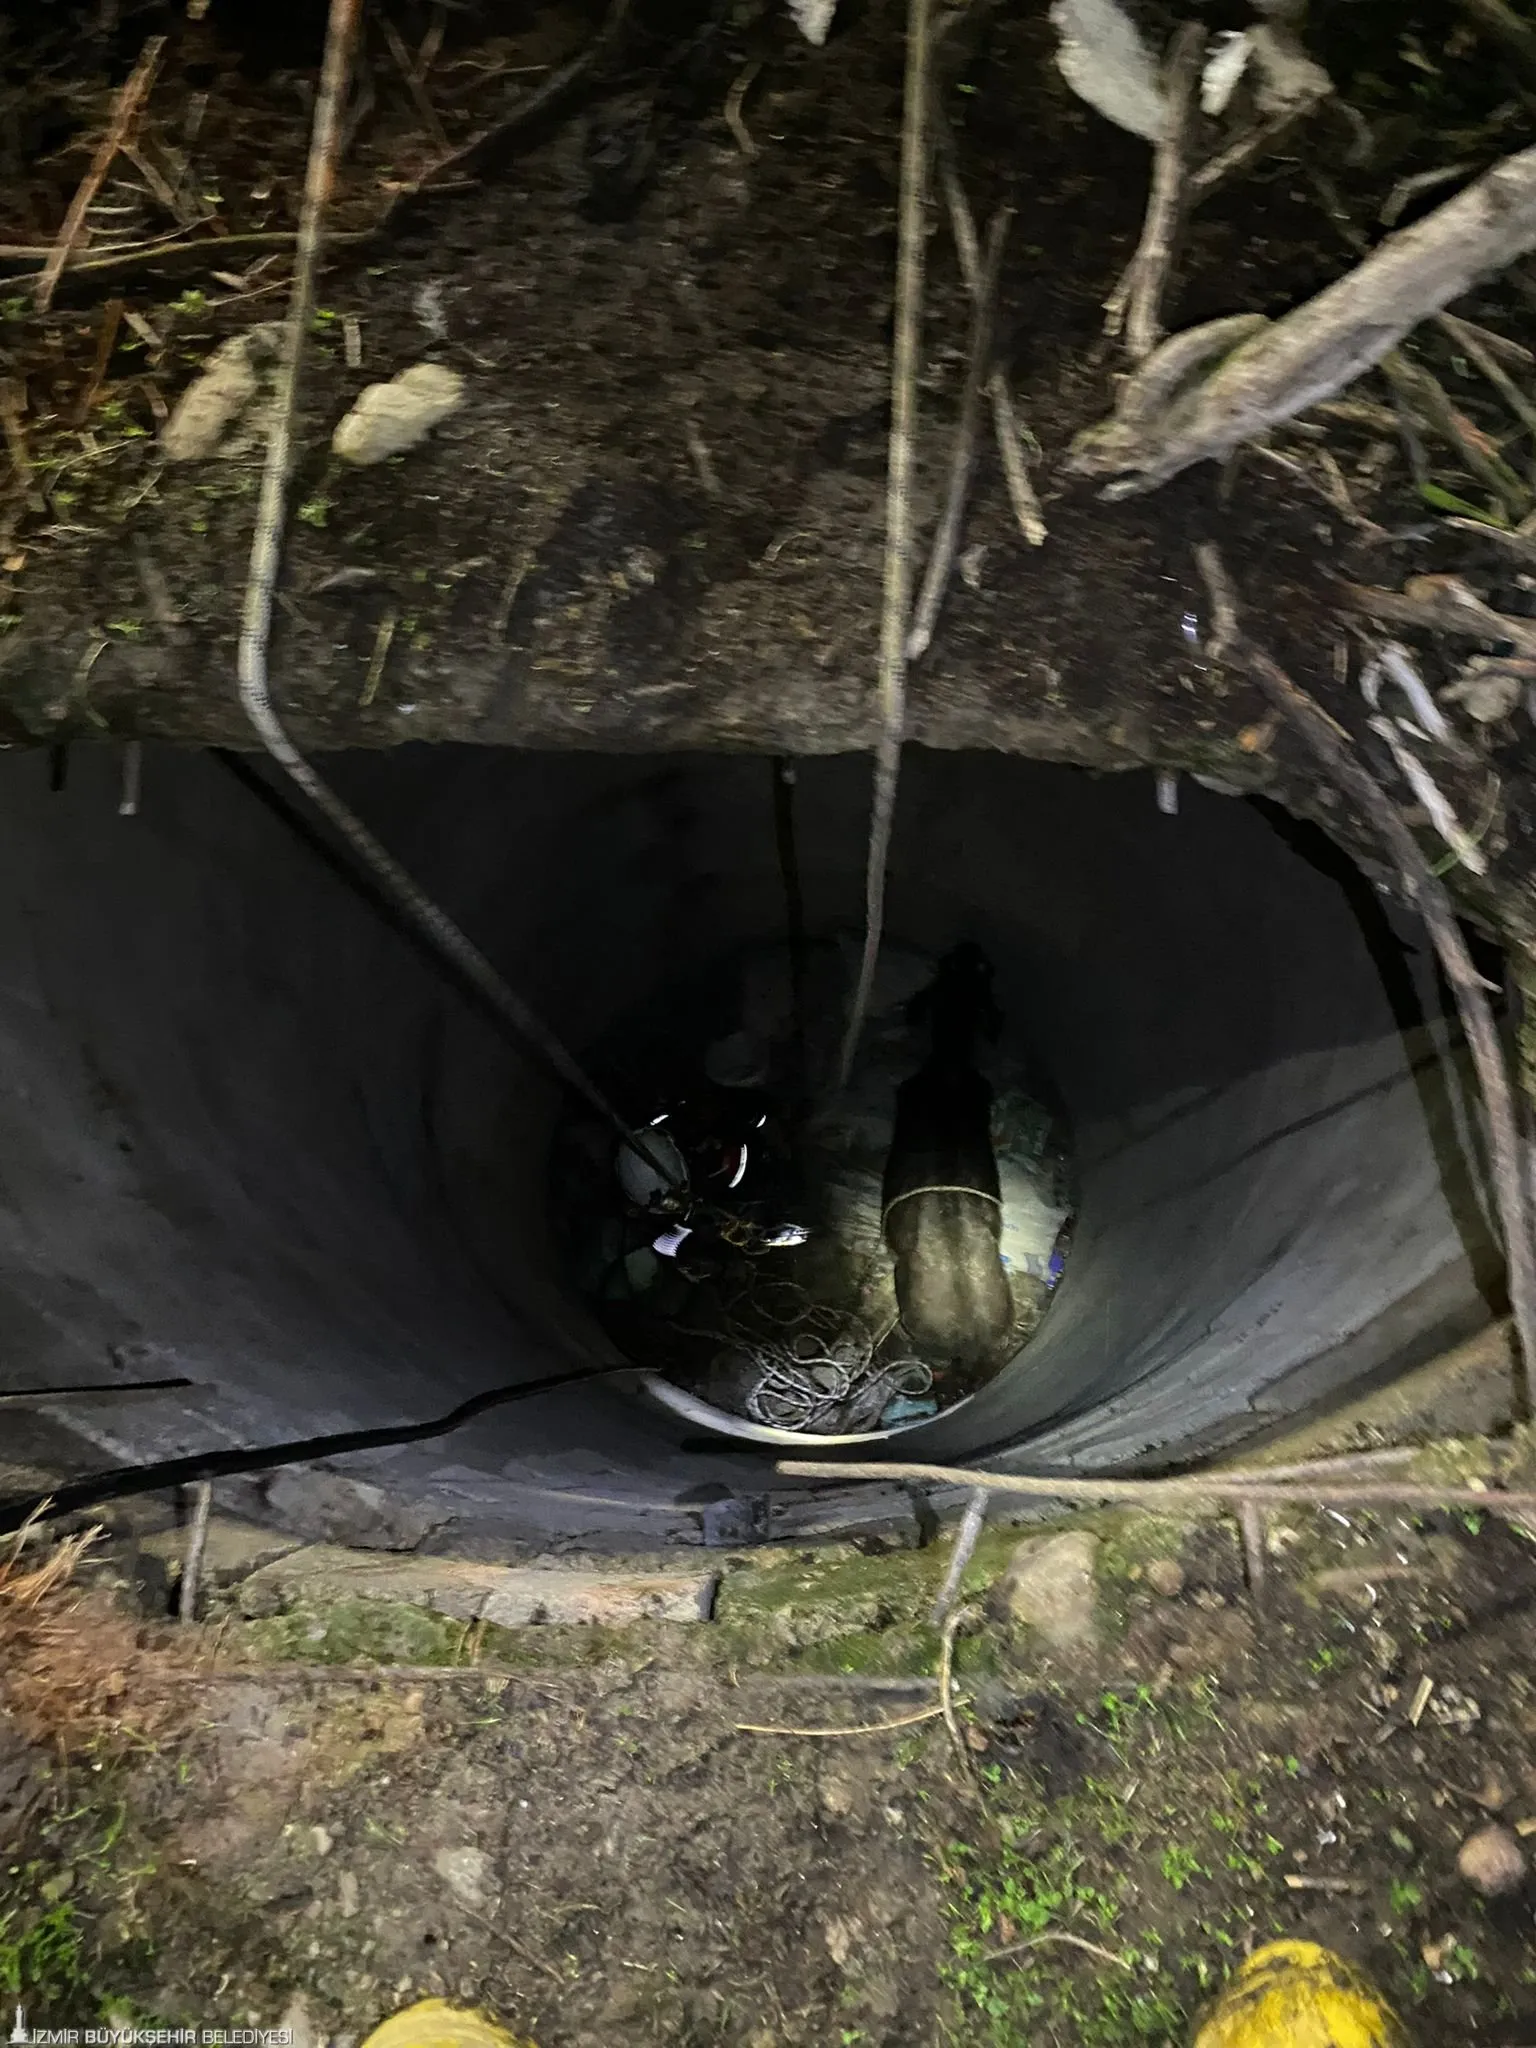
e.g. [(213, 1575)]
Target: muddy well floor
[(311, 1817)]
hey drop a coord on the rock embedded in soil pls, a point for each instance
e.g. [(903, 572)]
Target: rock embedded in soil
[(1492, 1862), (1049, 1587), (466, 1871), (232, 1550), (507, 1596), (1165, 1575), (329, 1507)]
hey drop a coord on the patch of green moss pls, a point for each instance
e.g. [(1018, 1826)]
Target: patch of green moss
[(1455, 1461), (1130, 1541), (373, 1632), (833, 1610)]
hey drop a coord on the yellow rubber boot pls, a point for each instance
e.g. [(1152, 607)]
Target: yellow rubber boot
[(1294, 1994), (434, 2023)]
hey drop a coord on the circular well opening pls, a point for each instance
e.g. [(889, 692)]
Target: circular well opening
[(251, 1137)]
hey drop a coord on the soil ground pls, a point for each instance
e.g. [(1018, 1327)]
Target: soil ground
[(579, 1835), (657, 521)]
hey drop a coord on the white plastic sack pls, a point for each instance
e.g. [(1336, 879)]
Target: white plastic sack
[(1104, 60), (813, 18)]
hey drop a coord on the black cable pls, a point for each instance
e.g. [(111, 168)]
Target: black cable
[(275, 798), (119, 1482), (794, 917), (344, 865), (12, 1397)]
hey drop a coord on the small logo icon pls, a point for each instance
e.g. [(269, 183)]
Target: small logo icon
[(19, 2030)]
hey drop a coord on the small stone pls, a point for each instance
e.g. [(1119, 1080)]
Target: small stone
[(1494, 1794), (1492, 1862), (330, 1507), (300, 2026), (1165, 1575), (390, 418), (837, 1795), (347, 1893), (466, 1872), (840, 1936), (1487, 688), (1386, 1652), (323, 1841), (1049, 1588)]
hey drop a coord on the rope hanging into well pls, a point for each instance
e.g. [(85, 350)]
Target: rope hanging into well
[(427, 916), (896, 602)]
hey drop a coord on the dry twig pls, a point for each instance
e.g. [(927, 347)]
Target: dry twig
[(896, 599), (947, 1689), (1010, 435), (1139, 295), (382, 641), (1521, 544), (1250, 1521), (1423, 392), (1444, 604), (1246, 149), (1218, 1486), (106, 341), (962, 464), (967, 1536), (1433, 902), (1473, 341), (124, 111), (415, 85), (1005, 420), (870, 1728), (735, 120), (1019, 1948), (197, 1540)]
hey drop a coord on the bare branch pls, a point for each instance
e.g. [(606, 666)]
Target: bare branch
[(962, 463), (125, 109), (1322, 346), (896, 601), (1146, 280)]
